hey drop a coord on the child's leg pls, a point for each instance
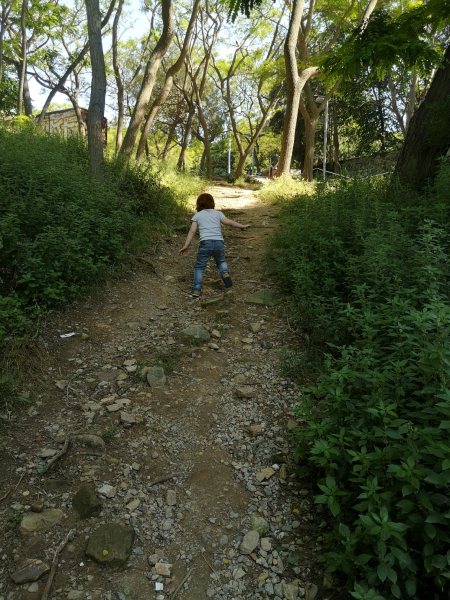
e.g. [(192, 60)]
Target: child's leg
[(203, 255), (219, 257)]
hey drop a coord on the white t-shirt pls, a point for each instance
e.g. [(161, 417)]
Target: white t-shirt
[(208, 221)]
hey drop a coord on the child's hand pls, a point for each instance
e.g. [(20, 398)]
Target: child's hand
[(245, 226), (183, 250)]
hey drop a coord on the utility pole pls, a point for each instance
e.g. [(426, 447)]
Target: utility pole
[(325, 131), (229, 154)]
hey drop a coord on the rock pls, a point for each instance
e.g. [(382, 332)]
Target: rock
[(265, 474), (312, 592), (238, 573), (256, 430), (162, 307), (121, 376), (94, 441), (107, 490), (111, 544), (216, 334), (156, 377), (86, 502), (223, 540), (75, 595), (328, 582), (283, 474), (290, 591), (171, 497), (247, 341), (266, 544), (239, 378), (249, 542), (133, 326), (84, 336), (34, 587), (265, 297), (291, 425), (245, 392), (197, 332), (259, 524), (129, 362), (30, 570), (155, 558), (163, 569), (279, 567), (61, 384), (38, 506), (43, 521), (213, 346), (135, 466), (266, 345), (255, 327), (127, 418), (212, 301), (133, 505), (47, 453), (155, 455)]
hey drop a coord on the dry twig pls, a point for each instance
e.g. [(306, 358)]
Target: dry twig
[(56, 457), (178, 588), (54, 564), (163, 479)]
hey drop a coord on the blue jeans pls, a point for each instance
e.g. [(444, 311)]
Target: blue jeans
[(207, 249)]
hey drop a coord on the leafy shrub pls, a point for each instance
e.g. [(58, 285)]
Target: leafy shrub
[(59, 229), (368, 268), (284, 188)]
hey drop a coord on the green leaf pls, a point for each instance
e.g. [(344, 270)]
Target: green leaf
[(407, 489), (430, 530), (363, 559), (405, 505), (436, 478), (392, 575), (439, 561), (395, 590), (382, 571), (410, 587), (446, 464)]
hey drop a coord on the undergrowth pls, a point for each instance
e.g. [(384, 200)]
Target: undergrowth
[(60, 231), (367, 266), (283, 188)]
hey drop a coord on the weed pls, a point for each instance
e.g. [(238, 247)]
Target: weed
[(196, 342), (15, 519), (109, 433)]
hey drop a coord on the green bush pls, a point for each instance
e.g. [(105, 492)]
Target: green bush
[(59, 229), (367, 266)]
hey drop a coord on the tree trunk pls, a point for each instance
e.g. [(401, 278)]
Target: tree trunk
[(187, 133), (171, 72), (169, 140), (148, 81), (202, 162), (337, 166), (310, 136), (394, 104), (118, 77), (420, 153), (27, 105), (62, 80), (98, 90), (3, 18), (23, 64), (411, 100)]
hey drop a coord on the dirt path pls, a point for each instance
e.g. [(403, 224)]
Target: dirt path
[(219, 424)]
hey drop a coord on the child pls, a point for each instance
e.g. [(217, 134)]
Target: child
[(211, 241)]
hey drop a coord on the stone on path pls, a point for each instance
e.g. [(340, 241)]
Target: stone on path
[(111, 544), (43, 521), (90, 440), (249, 542), (291, 425), (127, 418), (86, 502), (265, 474), (107, 490), (312, 592), (239, 378), (259, 525), (75, 595), (256, 430), (255, 327), (245, 392), (171, 498), (213, 301), (133, 326), (266, 544), (290, 591), (265, 297), (163, 569), (197, 332), (156, 377), (38, 506), (30, 570), (47, 453), (34, 587)]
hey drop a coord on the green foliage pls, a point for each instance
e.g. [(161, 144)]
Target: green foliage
[(389, 39), (9, 88), (109, 433), (284, 188), (59, 230), (368, 265)]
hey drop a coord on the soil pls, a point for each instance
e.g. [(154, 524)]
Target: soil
[(195, 428)]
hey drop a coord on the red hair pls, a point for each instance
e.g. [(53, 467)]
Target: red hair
[(205, 201)]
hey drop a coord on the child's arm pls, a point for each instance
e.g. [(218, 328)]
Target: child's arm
[(190, 235), (231, 223)]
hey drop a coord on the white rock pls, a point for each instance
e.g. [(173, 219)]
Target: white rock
[(107, 490), (163, 569)]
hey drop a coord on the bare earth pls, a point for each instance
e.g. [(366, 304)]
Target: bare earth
[(196, 427)]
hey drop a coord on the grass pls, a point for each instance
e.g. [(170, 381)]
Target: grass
[(284, 188)]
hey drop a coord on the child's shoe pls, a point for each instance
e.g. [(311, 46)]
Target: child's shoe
[(195, 294), (227, 280)]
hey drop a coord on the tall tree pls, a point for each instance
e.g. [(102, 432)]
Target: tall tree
[(428, 136), (98, 89), (148, 81)]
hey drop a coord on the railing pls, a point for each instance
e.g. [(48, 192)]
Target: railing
[(346, 176)]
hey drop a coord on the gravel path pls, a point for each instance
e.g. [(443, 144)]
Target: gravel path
[(233, 520)]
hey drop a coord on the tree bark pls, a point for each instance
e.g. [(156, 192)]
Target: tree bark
[(411, 100), (172, 128), (310, 136), (184, 145), (394, 104), (149, 79), (171, 72), (27, 105), (202, 163), (420, 153), (23, 58), (3, 17), (98, 90), (118, 77)]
